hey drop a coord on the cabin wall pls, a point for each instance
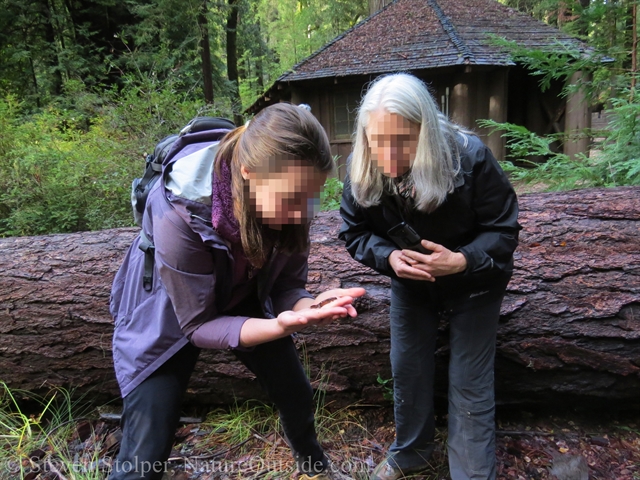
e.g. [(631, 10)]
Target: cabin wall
[(465, 93), (321, 100)]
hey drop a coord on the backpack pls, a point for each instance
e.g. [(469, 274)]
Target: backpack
[(141, 187)]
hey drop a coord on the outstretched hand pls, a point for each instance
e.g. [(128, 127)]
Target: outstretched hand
[(327, 307)]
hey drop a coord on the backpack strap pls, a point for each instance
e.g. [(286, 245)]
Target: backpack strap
[(149, 250)]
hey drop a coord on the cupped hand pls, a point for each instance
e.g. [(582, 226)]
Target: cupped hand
[(292, 321)]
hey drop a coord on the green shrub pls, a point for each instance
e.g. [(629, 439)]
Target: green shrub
[(616, 163), (69, 167), (332, 192)]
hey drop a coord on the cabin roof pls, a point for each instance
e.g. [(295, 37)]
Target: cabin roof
[(424, 34), (410, 35)]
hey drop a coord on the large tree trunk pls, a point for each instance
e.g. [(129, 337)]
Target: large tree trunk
[(570, 326)]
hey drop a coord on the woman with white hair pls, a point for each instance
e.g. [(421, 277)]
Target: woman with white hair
[(427, 204)]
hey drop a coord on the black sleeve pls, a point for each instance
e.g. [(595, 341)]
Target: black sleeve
[(363, 245), (496, 207)]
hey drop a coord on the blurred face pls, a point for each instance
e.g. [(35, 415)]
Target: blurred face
[(288, 195), (393, 142)]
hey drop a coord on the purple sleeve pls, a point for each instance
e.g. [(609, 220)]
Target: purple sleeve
[(187, 272), (223, 332), (289, 286)]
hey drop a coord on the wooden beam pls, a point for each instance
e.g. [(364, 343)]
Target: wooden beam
[(577, 118)]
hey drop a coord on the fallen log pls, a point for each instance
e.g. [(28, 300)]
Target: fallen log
[(569, 331)]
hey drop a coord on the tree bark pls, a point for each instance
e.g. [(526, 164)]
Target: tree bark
[(569, 328)]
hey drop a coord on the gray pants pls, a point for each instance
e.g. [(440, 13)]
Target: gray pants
[(473, 318)]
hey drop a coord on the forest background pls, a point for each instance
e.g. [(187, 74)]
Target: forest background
[(87, 88)]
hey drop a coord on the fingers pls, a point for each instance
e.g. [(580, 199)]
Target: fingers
[(342, 301), (353, 292), (326, 312), (413, 257), (346, 302), (345, 292), (434, 247), (351, 311), (407, 271), (418, 261)]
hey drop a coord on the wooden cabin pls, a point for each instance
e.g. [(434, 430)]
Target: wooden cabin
[(446, 43)]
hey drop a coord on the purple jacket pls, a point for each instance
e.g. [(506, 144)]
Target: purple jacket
[(192, 274)]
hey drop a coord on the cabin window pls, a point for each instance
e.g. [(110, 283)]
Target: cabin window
[(345, 106)]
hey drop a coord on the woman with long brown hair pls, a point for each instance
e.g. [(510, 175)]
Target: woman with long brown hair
[(231, 240)]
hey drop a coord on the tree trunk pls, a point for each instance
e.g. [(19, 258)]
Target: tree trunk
[(634, 47), (205, 54), (51, 37), (232, 61), (569, 329)]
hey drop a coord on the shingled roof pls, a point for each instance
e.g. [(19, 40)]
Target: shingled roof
[(424, 34)]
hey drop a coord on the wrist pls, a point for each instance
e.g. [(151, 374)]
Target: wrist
[(392, 256), (303, 303), (461, 262), (279, 327), (260, 330)]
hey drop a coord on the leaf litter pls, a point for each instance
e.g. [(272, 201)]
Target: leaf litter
[(247, 443)]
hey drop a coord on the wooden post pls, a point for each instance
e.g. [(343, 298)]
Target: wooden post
[(459, 106), (497, 110), (577, 118)]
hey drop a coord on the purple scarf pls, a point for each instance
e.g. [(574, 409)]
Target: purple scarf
[(222, 217)]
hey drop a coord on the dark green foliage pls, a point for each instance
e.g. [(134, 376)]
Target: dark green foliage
[(616, 161)]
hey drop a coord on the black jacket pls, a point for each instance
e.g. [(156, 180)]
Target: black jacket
[(479, 219)]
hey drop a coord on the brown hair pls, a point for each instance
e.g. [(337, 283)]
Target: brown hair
[(280, 129)]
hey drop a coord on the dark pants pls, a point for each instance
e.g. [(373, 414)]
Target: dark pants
[(473, 321), (152, 410)]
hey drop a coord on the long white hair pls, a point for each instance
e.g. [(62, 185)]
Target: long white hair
[(437, 160)]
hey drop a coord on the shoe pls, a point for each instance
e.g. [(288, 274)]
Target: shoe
[(330, 473), (385, 471)]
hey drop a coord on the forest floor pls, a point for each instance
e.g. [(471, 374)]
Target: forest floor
[(245, 442)]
